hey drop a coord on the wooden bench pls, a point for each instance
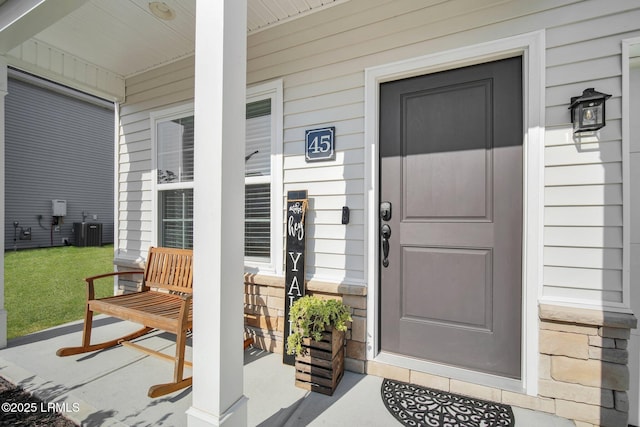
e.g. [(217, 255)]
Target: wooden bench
[(164, 303)]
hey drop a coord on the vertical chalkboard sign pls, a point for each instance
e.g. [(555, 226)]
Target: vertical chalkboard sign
[(294, 287)]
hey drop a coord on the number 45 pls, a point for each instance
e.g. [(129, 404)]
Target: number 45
[(320, 144)]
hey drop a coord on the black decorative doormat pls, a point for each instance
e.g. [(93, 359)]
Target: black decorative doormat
[(421, 406)]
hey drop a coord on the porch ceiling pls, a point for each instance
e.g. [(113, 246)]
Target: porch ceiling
[(98, 44)]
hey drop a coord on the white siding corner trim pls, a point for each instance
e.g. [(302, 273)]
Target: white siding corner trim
[(631, 197), (630, 55), (532, 47)]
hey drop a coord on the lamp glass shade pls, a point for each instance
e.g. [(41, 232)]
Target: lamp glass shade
[(588, 117), (588, 111)]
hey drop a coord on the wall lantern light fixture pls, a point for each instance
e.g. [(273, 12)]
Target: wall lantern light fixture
[(587, 111)]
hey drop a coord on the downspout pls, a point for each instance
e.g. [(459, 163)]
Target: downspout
[(116, 188), (3, 93)]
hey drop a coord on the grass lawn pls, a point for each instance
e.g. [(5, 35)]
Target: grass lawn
[(46, 287)]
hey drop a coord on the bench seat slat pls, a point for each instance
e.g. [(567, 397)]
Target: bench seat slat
[(154, 309)]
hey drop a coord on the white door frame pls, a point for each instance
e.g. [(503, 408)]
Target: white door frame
[(532, 48)]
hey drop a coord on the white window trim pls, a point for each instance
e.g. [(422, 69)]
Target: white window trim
[(532, 47), (273, 90), (170, 113)]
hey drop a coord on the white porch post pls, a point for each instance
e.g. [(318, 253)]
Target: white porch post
[(220, 84), (3, 93)]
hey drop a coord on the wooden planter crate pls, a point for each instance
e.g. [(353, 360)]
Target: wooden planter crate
[(322, 367)]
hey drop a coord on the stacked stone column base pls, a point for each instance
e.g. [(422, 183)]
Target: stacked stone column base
[(583, 364), (264, 314)]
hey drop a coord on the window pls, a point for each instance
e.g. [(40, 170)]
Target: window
[(263, 178), (176, 211), (172, 135), (174, 180), (257, 228)]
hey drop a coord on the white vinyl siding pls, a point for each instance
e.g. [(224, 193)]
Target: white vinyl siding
[(321, 60), (57, 146), (322, 69), (583, 176)]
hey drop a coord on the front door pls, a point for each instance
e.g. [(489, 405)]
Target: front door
[(451, 228)]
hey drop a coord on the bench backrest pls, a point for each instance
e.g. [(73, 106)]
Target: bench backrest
[(170, 269)]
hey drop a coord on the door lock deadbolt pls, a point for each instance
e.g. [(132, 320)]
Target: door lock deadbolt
[(385, 211)]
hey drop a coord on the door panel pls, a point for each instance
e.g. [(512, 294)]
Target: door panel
[(451, 166), (468, 302), (452, 163)]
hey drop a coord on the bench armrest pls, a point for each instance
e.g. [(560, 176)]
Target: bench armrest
[(90, 280), (186, 297), (184, 309)]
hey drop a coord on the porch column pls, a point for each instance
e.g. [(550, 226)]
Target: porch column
[(3, 93), (220, 84)]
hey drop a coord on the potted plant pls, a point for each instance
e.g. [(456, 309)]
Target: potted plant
[(317, 340)]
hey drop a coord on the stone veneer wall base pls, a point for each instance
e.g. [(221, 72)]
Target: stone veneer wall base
[(583, 353), (264, 314), (583, 363)]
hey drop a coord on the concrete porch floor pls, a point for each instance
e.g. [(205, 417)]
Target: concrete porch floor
[(109, 387)]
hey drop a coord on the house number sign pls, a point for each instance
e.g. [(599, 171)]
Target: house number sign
[(294, 286), (320, 144)]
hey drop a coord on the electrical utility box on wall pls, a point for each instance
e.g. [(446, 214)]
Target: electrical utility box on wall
[(59, 207)]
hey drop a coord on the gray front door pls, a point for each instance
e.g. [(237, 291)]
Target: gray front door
[(451, 170)]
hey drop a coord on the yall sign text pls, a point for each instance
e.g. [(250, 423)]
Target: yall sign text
[(294, 286)]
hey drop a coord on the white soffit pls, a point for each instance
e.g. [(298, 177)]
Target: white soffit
[(101, 43), (262, 14), (123, 36)]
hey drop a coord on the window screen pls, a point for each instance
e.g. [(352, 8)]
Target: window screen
[(175, 150), (174, 160), (176, 213), (258, 181)]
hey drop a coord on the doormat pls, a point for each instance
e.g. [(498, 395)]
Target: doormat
[(417, 406)]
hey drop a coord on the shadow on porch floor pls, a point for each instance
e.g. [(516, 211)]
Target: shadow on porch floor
[(109, 387)]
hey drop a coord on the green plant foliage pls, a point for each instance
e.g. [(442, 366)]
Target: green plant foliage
[(310, 316)]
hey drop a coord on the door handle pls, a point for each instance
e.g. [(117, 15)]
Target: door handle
[(385, 232)]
